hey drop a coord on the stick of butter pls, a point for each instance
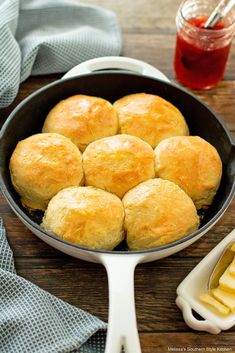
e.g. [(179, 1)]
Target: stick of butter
[(221, 298), (224, 297), (232, 267), (218, 307), (227, 281), (233, 247)]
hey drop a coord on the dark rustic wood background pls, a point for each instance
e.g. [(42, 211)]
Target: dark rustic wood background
[(148, 28)]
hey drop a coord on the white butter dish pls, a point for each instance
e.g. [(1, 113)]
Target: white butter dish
[(197, 282)]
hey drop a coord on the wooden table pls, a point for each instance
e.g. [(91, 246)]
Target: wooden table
[(149, 34)]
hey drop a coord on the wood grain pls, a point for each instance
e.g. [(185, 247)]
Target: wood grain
[(148, 34), (141, 16), (191, 342)]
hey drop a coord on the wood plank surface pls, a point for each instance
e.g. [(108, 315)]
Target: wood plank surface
[(148, 34), (187, 342)]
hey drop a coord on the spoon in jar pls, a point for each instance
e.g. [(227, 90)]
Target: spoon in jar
[(221, 10), (224, 261)]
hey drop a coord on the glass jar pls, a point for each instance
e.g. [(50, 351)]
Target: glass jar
[(201, 54)]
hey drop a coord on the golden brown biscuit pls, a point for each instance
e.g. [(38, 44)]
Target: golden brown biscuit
[(43, 164), (149, 117), (82, 119), (86, 216), (157, 212), (118, 163), (193, 164)]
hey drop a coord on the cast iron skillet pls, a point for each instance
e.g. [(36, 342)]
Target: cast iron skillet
[(28, 118)]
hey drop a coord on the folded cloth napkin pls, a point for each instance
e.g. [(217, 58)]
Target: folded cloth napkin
[(34, 321), (48, 36)]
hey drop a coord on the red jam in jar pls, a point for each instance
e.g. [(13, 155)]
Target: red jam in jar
[(201, 54)]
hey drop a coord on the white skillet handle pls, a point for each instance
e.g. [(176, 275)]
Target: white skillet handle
[(191, 321), (116, 62), (122, 325)]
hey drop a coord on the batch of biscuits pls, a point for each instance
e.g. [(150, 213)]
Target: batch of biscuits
[(107, 172)]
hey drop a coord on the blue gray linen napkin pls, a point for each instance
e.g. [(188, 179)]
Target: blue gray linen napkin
[(48, 36), (34, 321)]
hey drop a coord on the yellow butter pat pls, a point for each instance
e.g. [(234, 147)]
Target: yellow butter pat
[(214, 304), (232, 267), (226, 298), (227, 281), (233, 247)]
